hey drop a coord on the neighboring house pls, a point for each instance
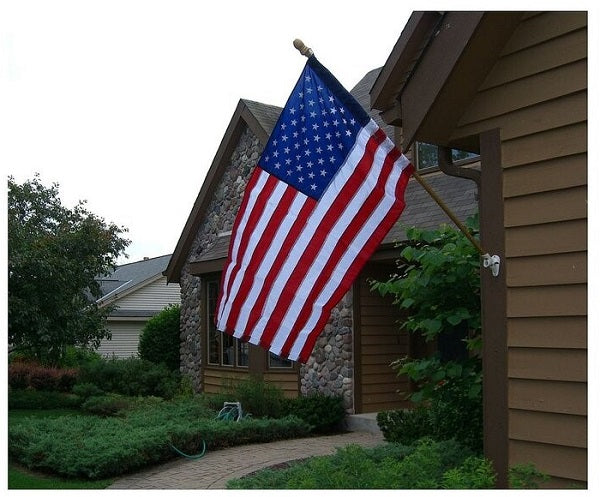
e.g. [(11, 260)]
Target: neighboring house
[(512, 87), (353, 354), (139, 291)]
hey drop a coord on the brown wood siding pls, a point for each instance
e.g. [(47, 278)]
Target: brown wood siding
[(215, 379), (536, 94), (286, 380), (379, 342), (548, 332)]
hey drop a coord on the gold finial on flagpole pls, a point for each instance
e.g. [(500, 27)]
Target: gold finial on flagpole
[(302, 48)]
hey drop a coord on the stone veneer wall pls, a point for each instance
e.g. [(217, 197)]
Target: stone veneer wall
[(219, 218), (330, 368)]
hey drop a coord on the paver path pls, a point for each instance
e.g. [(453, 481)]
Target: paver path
[(217, 467)]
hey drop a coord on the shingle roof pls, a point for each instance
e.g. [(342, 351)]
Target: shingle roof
[(130, 275), (265, 114)]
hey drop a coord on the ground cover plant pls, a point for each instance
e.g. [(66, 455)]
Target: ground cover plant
[(95, 447), (425, 465)]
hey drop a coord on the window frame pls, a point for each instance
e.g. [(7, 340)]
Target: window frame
[(460, 162), (211, 290)]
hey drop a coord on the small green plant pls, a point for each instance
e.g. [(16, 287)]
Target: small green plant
[(159, 341), (525, 476), (474, 472)]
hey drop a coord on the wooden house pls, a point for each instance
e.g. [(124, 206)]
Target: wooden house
[(512, 87), (138, 290)]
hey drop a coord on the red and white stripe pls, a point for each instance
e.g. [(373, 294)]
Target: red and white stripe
[(292, 258)]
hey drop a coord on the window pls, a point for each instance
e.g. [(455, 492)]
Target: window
[(426, 155), (222, 349), (278, 362)]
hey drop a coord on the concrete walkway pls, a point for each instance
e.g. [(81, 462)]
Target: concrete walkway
[(217, 467)]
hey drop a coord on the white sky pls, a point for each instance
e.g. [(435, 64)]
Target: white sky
[(124, 103)]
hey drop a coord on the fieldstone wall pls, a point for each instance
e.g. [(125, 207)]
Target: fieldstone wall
[(330, 369), (220, 216)]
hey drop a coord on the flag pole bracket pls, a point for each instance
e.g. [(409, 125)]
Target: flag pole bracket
[(492, 262)]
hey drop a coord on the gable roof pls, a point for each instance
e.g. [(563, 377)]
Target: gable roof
[(129, 277)]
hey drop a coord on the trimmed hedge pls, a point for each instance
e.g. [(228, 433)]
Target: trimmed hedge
[(92, 447)]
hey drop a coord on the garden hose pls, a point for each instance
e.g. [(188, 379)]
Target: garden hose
[(232, 411), (187, 456)]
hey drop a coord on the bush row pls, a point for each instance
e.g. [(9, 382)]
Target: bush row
[(30, 374), (92, 447), (132, 376)]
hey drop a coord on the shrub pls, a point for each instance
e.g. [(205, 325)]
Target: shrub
[(29, 374), (33, 399), (425, 465), (258, 398), (525, 476), (87, 390), (442, 419), (132, 376), (324, 413), (405, 426), (474, 472), (106, 405), (159, 341), (75, 357), (92, 447)]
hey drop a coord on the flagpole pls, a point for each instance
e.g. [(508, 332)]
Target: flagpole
[(488, 261)]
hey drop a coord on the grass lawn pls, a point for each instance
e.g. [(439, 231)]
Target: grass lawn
[(21, 478)]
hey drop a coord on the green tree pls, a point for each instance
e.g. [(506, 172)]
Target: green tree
[(438, 285), (159, 341), (54, 255)]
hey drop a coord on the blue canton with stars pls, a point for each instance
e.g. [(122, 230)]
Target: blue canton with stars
[(315, 132)]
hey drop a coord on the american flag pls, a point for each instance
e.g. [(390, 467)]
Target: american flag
[(328, 187)]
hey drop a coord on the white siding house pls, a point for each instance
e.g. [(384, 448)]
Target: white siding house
[(139, 291)]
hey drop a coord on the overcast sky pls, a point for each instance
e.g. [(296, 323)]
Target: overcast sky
[(124, 103)]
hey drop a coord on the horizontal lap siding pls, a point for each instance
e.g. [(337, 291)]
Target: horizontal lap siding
[(536, 94), (215, 380), (381, 342), (124, 341), (286, 380), (152, 297)]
